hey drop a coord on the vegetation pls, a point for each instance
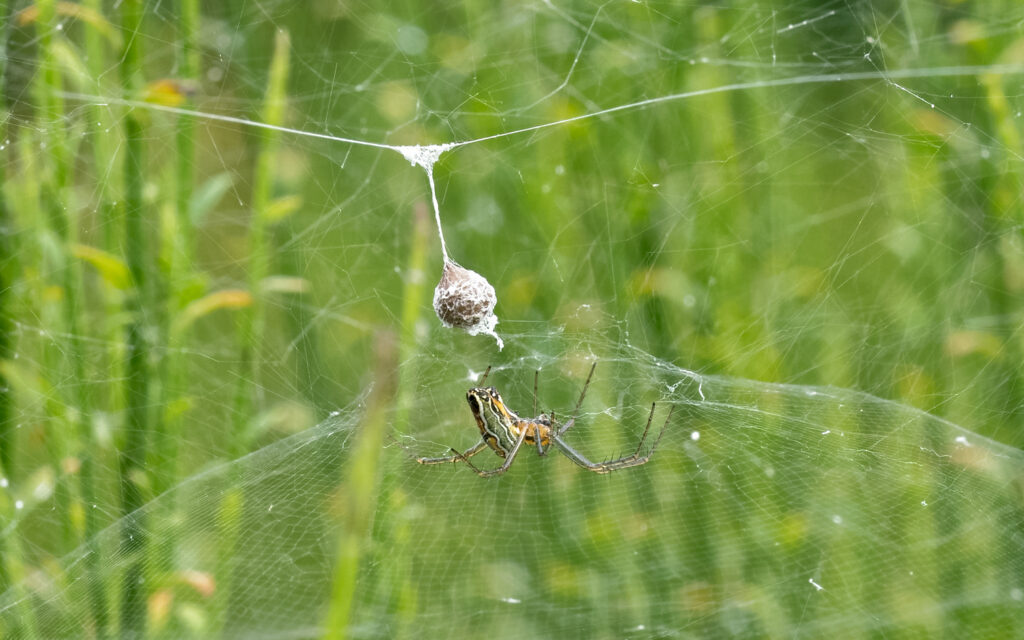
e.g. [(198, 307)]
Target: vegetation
[(217, 348)]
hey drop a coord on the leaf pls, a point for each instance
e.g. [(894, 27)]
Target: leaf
[(207, 195), (22, 379), (93, 18), (285, 284), (112, 269), (282, 207), (224, 299), (70, 60), (969, 342), (168, 92)]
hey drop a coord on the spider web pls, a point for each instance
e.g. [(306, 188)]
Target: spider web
[(799, 224)]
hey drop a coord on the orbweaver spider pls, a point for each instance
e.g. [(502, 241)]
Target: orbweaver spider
[(505, 432)]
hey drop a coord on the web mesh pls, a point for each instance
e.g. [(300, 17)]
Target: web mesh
[(798, 224), (768, 510)]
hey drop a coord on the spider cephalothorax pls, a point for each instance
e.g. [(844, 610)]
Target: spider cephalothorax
[(504, 432)]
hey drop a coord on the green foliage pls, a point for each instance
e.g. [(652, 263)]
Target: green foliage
[(800, 225)]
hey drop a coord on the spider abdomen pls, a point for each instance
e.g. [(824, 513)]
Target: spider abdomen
[(533, 427)]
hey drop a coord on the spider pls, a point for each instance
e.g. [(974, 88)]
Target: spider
[(504, 432)]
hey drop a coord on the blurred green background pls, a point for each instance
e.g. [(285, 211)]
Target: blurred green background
[(217, 350)]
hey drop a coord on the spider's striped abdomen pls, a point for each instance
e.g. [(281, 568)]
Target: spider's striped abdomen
[(501, 427), (493, 419)]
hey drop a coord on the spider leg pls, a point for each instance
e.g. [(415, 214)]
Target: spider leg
[(579, 403), (536, 375), (633, 460), (469, 464), (486, 373), (565, 427), (541, 451), (457, 457), (490, 473), (576, 456)]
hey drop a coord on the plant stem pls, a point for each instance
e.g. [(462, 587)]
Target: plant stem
[(412, 303), (400, 539), (188, 62), (102, 153), (56, 200), (133, 542), (253, 321), (7, 270), (53, 202), (179, 255), (10, 562), (360, 486)]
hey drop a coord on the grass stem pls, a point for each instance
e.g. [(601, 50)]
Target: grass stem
[(132, 455), (253, 322), (360, 486), (7, 274)]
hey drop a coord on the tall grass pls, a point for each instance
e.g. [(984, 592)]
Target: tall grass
[(779, 235), (9, 558), (253, 320), (7, 274), (58, 210), (360, 484), (137, 366)]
